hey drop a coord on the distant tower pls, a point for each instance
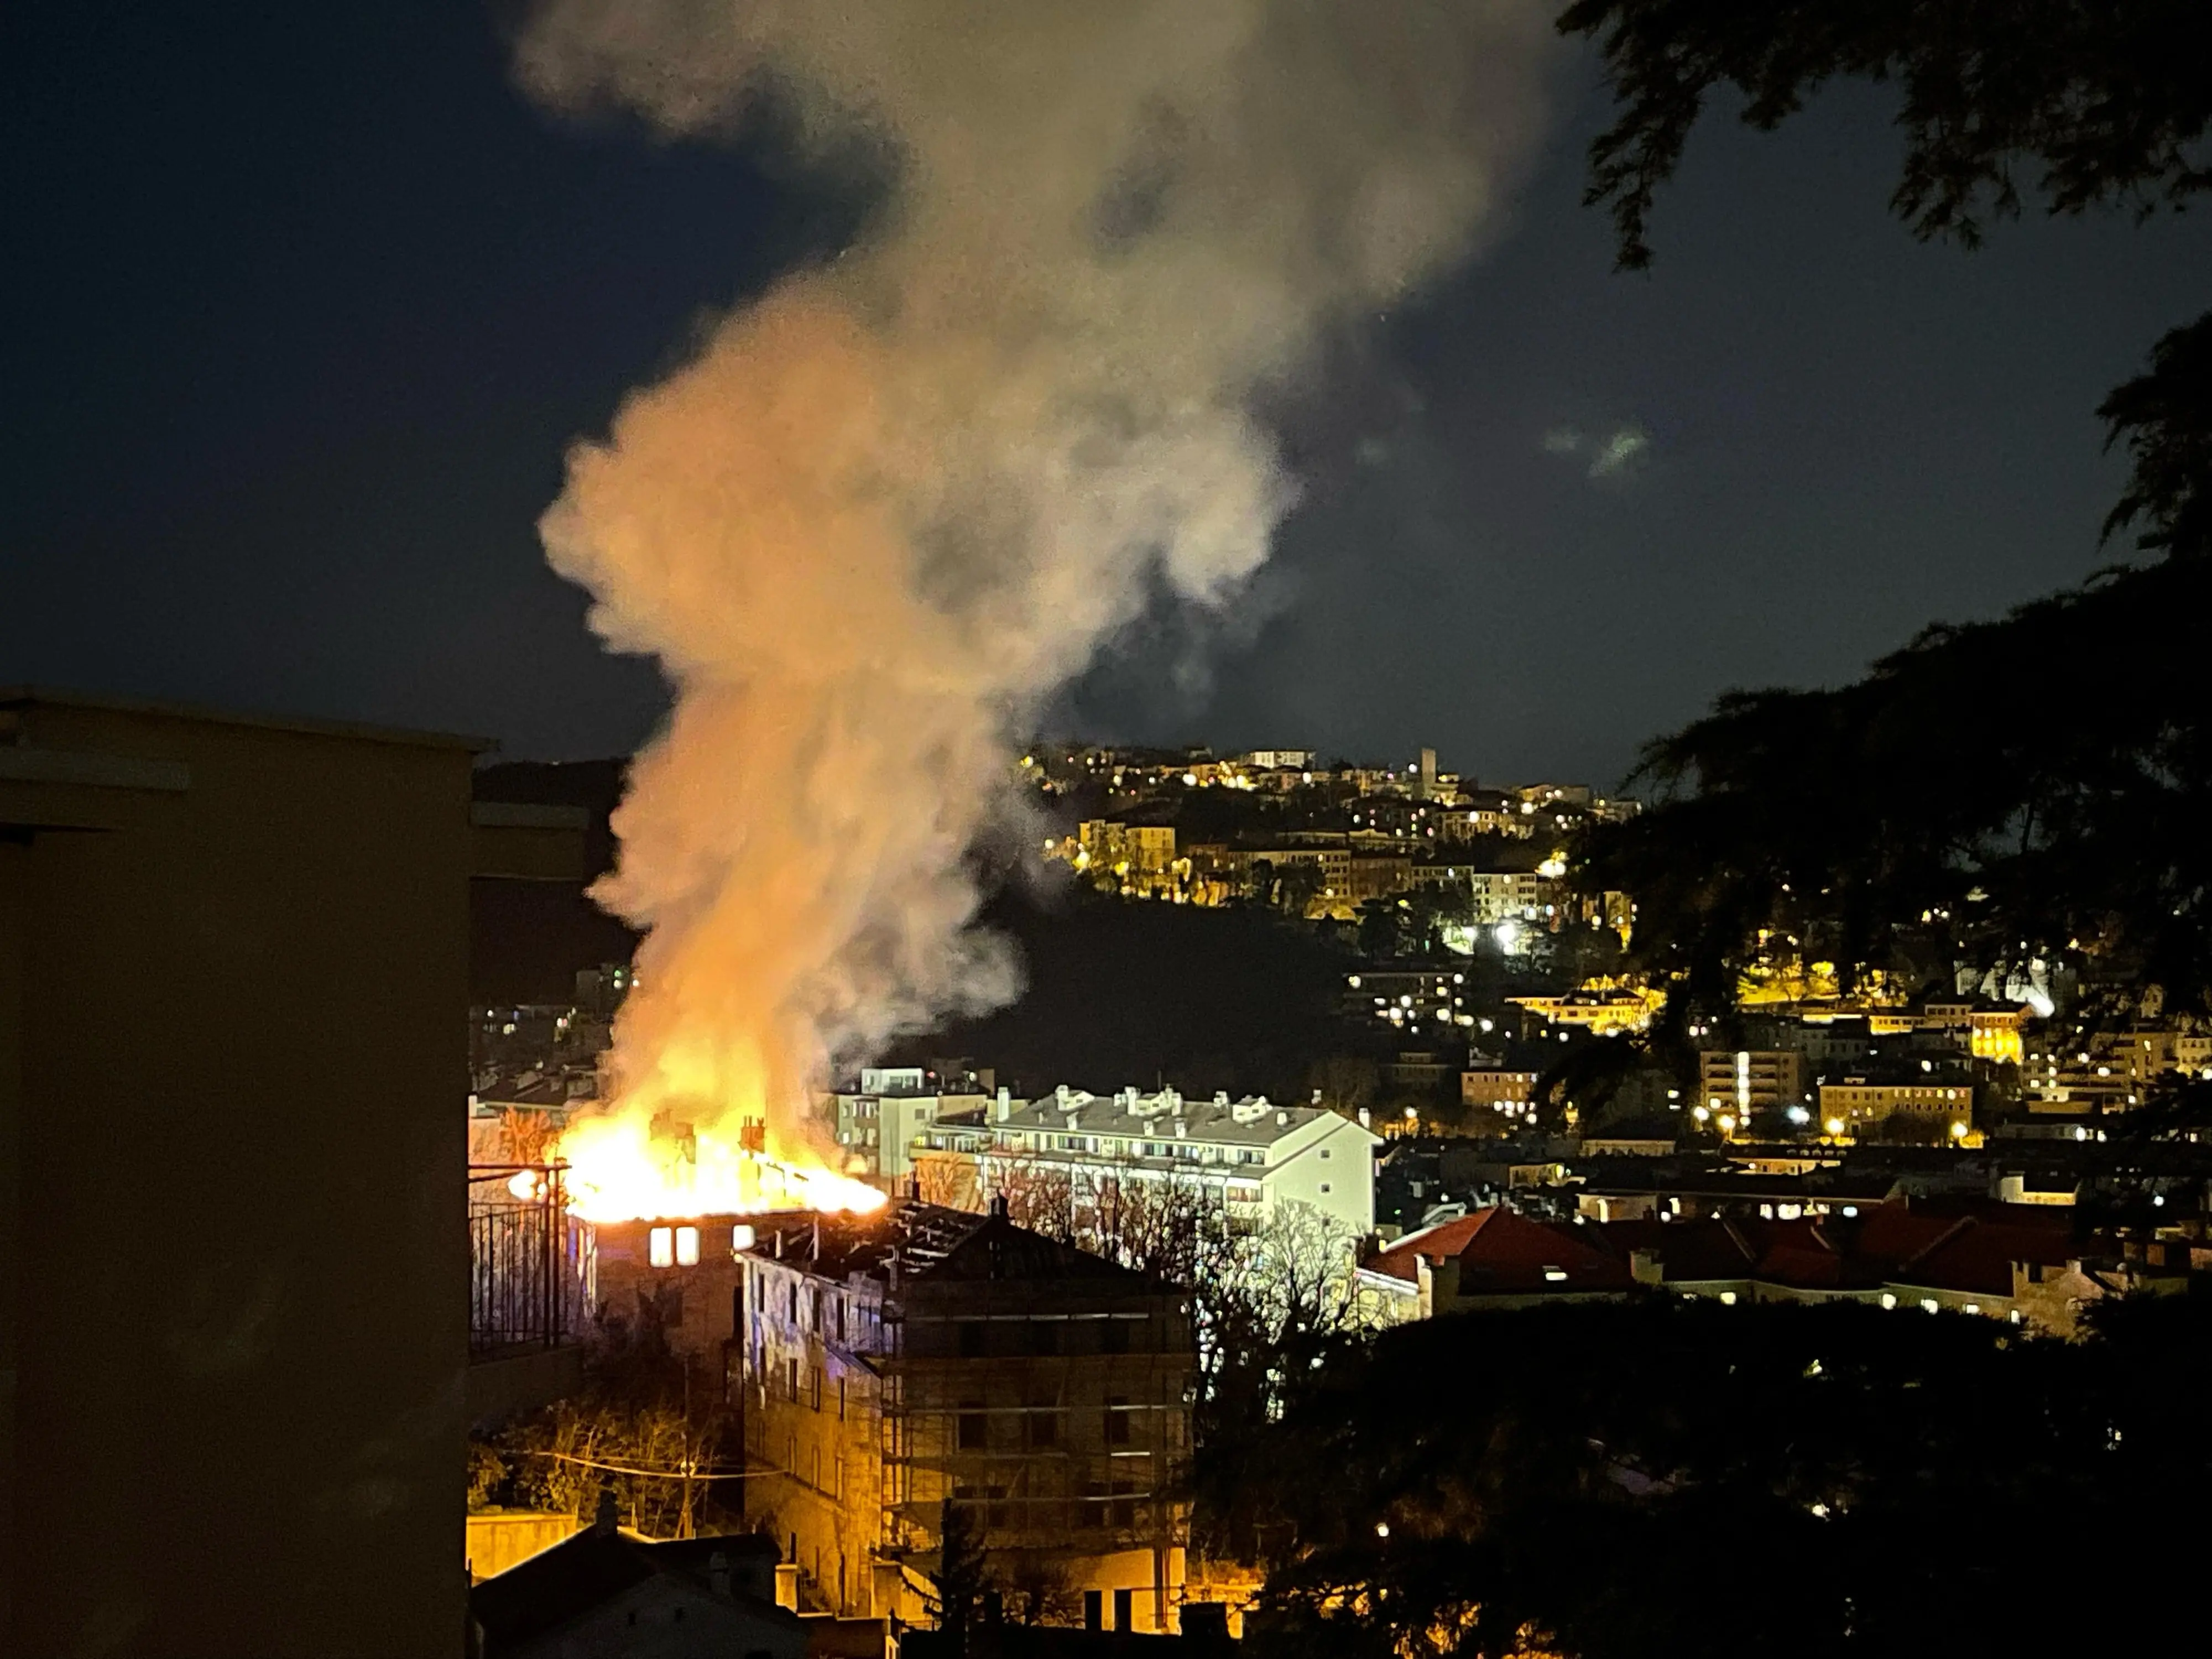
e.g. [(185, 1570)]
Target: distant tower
[(1426, 789)]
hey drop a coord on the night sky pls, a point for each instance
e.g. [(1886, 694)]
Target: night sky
[(307, 300)]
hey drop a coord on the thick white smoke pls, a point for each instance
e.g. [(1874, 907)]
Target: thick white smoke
[(894, 504)]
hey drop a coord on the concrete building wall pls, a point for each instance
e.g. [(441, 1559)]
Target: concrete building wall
[(236, 1331), (1328, 1164)]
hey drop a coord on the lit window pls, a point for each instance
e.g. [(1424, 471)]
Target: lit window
[(660, 1247), (686, 1247), (741, 1237)]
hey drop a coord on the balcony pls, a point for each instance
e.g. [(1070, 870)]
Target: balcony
[(532, 1273)]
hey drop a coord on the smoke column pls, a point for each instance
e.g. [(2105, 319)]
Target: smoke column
[(892, 506)]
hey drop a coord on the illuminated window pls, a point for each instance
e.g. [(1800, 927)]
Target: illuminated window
[(660, 1247), (686, 1247)]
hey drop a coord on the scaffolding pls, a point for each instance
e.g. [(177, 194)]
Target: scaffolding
[(1056, 1411)]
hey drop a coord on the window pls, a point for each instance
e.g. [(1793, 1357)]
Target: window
[(1114, 1336), (1044, 1428), (1044, 1337), (1117, 1421), (660, 1247), (686, 1247), (840, 1399), (1324, 1186), (791, 1378), (975, 1426), (817, 1390), (1123, 1611), (971, 1339)]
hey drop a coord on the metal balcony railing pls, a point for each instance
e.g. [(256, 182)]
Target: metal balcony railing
[(532, 1266)]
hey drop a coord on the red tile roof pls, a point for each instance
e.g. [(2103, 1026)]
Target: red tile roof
[(1954, 1248), (1502, 1253)]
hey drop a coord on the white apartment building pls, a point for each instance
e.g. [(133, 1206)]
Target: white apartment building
[(877, 1125), (1251, 1153)]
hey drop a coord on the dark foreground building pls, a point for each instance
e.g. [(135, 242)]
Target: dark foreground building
[(234, 1329)]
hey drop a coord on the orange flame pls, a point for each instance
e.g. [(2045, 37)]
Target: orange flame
[(626, 1166)]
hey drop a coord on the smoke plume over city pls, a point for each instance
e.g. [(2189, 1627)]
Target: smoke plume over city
[(888, 508)]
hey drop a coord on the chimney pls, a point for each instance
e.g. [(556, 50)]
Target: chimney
[(608, 1516), (787, 1585), (998, 1206), (1363, 1122), (1006, 1103), (718, 1575)]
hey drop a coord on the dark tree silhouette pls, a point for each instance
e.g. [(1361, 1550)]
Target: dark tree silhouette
[(2107, 100), (2032, 787), (1670, 1477)]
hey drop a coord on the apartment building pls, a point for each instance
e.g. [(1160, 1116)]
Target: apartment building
[(1740, 1085), (235, 1366), (878, 1123), (921, 1357), (1249, 1156), (1944, 1108)]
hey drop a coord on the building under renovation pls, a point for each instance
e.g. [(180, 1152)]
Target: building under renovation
[(895, 1362)]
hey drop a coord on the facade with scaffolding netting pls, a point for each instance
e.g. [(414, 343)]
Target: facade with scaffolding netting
[(897, 1364)]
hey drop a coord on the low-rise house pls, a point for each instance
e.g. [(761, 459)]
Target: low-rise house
[(1991, 1260), (1493, 1259), (1642, 1137), (606, 1593)]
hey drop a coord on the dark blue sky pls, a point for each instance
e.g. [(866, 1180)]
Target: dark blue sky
[(307, 301)]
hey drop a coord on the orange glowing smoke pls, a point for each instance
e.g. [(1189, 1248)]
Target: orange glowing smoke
[(882, 513)]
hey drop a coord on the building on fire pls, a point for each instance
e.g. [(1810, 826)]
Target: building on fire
[(895, 1362)]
